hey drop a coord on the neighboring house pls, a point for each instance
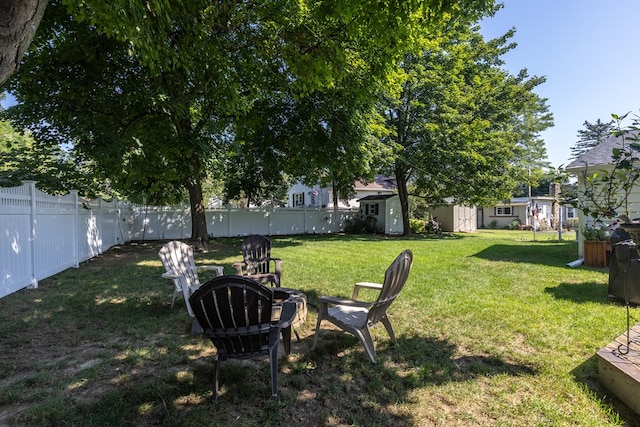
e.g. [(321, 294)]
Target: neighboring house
[(386, 209), (302, 195), (456, 218), (534, 212), (381, 185), (599, 158)]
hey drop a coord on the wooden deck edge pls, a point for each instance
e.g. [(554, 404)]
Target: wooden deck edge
[(620, 373)]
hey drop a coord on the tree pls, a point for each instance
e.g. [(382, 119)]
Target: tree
[(591, 135), (198, 68), (457, 122), (19, 20)]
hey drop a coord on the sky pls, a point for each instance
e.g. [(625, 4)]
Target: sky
[(587, 50)]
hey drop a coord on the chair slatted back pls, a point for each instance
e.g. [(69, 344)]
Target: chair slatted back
[(177, 257), (394, 280), (235, 313), (256, 252)]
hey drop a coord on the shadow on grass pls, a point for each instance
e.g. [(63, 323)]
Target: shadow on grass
[(530, 253), (581, 292)]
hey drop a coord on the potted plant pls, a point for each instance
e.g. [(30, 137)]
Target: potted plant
[(597, 247)]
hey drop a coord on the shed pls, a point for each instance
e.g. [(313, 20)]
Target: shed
[(456, 218), (386, 209)]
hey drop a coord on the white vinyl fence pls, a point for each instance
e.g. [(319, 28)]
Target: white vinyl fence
[(43, 235)]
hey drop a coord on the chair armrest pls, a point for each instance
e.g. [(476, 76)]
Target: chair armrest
[(217, 268), (365, 285), (238, 267), (343, 301), (170, 275), (287, 315)]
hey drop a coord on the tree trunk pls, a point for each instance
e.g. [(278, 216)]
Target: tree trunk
[(196, 201), (403, 193), (19, 20)]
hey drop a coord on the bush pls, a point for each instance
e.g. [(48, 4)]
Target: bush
[(515, 224), (433, 227), (416, 225), (493, 224), (360, 225)]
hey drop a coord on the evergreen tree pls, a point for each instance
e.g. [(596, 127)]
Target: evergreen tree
[(592, 135)]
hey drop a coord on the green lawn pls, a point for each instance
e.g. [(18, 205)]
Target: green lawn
[(493, 329)]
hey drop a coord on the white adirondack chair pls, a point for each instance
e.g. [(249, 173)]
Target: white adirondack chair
[(177, 259)]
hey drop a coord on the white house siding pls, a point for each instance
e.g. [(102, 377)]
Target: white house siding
[(521, 209)]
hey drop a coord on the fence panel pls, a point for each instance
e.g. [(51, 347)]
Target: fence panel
[(43, 235), (15, 245), (54, 236)]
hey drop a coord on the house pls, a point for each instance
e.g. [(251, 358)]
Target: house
[(381, 185), (302, 195), (599, 158), (531, 212), (386, 210)]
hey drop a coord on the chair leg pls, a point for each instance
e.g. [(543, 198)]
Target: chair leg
[(216, 376), (273, 359), (323, 311), (365, 338), (286, 339), (317, 334), (387, 324)]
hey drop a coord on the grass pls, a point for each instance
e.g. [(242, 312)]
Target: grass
[(493, 329)]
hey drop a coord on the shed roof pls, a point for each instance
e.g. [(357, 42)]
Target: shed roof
[(377, 197)]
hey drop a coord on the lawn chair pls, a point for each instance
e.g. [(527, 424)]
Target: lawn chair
[(355, 317), (239, 317), (256, 254), (177, 259)]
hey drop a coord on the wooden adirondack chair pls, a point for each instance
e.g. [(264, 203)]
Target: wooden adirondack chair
[(237, 314), (355, 317), (177, 259), (257, 261)]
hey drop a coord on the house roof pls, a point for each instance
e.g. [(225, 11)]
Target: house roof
[(524, 200), (380, 182), (599, 155)]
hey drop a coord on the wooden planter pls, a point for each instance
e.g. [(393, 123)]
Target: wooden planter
[(597, 253)]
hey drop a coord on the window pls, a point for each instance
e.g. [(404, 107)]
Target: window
[(371, 209), (571, 213), (504, 211), (297, 199)]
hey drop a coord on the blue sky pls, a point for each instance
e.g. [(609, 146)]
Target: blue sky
[(586, 49)]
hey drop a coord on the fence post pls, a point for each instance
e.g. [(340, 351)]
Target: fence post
[(32, 229), (74, 233)]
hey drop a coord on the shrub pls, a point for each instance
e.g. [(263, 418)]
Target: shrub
[(360, 225), (515, 224), (493, 224), (572, 223), (433, 227), (416, 225)]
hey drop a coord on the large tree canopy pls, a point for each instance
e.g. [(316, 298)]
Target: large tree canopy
[(148, 100), (457, 124)]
